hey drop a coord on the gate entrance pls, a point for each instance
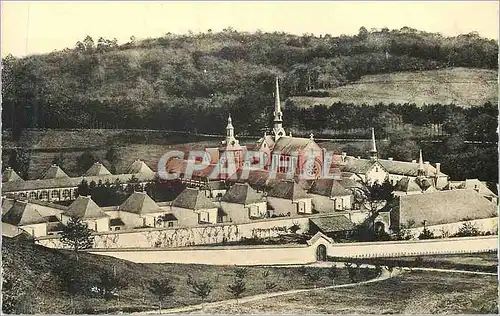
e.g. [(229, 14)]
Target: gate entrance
[(321, 253)]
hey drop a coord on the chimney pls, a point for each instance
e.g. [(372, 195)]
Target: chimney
[(391, 159), (343, 156), (438, 167)]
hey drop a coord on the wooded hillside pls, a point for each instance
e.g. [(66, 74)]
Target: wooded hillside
[(180, 82)]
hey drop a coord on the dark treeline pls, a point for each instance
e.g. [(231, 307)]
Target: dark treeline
[(192, 81)]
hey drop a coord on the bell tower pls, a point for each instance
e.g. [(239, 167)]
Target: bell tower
[(278, 129)]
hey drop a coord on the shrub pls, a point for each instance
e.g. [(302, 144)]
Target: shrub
[(468, 229)]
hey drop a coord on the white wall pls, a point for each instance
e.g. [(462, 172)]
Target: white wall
[(484, 225), (302, 254), (36, 230)]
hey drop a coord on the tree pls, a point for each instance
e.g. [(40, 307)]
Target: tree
[(468, 229), (71, 278), (109, 284), (112, 158), (77, 235), (59, 160), (200, 288), (19, 160), (85, 161), (333, 273), (237, 287), (241, 272), (83, 189), (363, 33), (161, 288), (426, 233), (268, 283)]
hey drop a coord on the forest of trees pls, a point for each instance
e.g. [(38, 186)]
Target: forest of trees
[(190, 82)]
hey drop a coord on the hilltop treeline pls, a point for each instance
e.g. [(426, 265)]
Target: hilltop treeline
[(177, 82)]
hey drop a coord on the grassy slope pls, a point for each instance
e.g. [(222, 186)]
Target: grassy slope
[(461, 86), (411, 293), (34, 265)]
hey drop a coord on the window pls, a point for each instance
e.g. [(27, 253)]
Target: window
[(33, 195), (170, 224), (66, 194), (253, 211), (44, 195), (203, 217), (117, 228), (301, 207), (54, 194)]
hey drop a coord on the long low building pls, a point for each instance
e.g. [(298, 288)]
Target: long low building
[(56, 185)]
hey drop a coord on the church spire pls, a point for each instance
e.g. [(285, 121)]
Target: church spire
[(373, 150), (230, 139), (278, 115), (421, 168)]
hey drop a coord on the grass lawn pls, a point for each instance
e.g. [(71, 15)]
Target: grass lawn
[(40, 290), (460, 86), (416, 292), (485, 262)]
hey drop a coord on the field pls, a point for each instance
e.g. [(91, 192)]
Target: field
[(461, 86), (35, 270), (415, 292)]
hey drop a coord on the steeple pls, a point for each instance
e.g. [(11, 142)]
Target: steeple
[(230, 139), (421, 168), (278, 129), (373, 151)]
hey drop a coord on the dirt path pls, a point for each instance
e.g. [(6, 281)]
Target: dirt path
[(383, 276)]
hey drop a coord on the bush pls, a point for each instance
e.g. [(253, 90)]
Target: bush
[(468, 229)]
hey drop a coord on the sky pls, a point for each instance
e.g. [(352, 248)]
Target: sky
[(42, 26)]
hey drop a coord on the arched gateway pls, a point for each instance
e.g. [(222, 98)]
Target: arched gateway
[(321, 253)]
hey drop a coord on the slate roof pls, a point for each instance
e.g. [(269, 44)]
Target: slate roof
[(443, 207), (193, 199), (10, 175), (356, 165), (289, 190), (116, 222), (139, 166), (23, 213), (169, 217), (16, 186), (242, 194), (140, 203), (329, 188), (332, 224), (287, 145), (83, 207), (97, 169), (54, 172)]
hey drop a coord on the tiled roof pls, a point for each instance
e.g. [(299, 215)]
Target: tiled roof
[(83, 207), (193, 199), (331, 224), (356, 165), (23, 213), (444, 207), (7, 203), (288, 189), (116, 222), (329, 188), (361, 165), (140, 203), (288, 145), (10, 175), (69, 182), (242, 194), (54, 172), (215, 185), (97, 169), (475, 184), (257, 177), (407, 185), (139, 166)]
